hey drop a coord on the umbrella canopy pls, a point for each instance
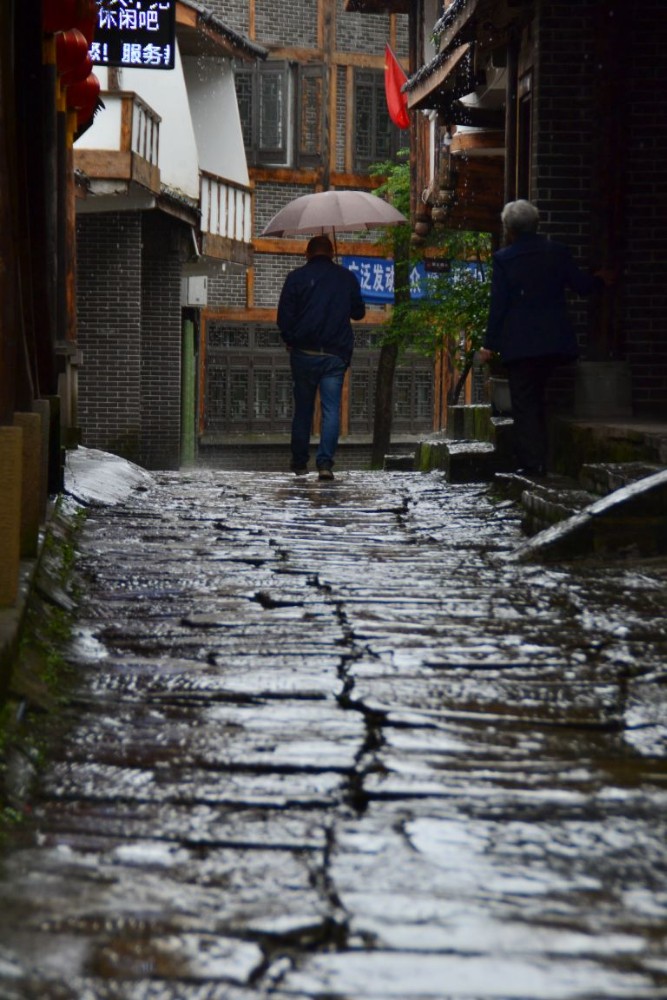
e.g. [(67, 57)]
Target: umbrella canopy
[(331, 211)]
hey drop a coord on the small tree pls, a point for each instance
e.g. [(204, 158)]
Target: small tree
[(451, 317)]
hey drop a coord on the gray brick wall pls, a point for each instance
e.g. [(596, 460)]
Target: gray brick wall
[(270, 198), (129, 315), (161, 341), (234, 13), (270, 275), (567, 173), (228, 290), (282, 23), (644, 137), (341, 123), (368, 33), (109, 264)]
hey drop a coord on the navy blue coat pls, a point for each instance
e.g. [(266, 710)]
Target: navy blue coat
[(528, 312), (316, 305)]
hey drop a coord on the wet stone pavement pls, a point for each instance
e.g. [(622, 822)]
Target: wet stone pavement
[(330, 740)]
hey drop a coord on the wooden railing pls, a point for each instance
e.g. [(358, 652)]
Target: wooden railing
[(129, 142), (225, 208), (145, 127)]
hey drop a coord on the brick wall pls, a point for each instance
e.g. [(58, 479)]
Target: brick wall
[(561, 172), (282, 23), (270, 197), (270, 275), (577, 174), (163, 242), (366, 33), (109, 262), (234, 13), (129, 315), (644, 146)]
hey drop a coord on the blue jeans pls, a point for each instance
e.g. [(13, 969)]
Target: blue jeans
[(311, 372)]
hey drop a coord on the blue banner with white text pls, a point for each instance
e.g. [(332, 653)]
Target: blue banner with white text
[(376, 276)]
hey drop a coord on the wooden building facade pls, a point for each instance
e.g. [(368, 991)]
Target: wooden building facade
[(559, 103), (315, 117)]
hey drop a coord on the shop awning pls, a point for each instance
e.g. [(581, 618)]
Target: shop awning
[(441, 81)]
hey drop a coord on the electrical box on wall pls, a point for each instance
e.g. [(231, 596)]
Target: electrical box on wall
[(194, 290)]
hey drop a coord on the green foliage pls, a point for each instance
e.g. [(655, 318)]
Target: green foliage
[(395, 186), (453, 316)]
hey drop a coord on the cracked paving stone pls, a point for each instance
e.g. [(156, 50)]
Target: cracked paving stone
[(337, 744)]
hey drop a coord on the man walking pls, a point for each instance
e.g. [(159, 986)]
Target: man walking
[(316, 305)]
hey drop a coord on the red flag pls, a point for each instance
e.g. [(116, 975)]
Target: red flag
[(394, 78)]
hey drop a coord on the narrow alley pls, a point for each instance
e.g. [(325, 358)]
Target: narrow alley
[(333, 740)]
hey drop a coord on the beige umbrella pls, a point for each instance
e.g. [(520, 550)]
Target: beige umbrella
[(332, 211)]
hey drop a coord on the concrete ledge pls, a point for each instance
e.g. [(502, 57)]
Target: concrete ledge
[(11, 622), (632, 520), (581, 442)]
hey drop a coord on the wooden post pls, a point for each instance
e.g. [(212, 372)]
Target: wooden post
[(11, 449), (31, 474), (511, 112), (9, 331)]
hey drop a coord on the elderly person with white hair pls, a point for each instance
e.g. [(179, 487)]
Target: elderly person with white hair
[(528, 325)]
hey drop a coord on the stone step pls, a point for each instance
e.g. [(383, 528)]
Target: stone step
[(603, 478), (552, 499), (630, 521), (399, 463), (545, 501)]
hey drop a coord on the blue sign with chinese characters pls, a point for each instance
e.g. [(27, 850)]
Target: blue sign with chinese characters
[(376, 276), (137, 34)]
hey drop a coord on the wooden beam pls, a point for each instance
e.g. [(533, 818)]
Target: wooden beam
[(297, 246), (373, 317)]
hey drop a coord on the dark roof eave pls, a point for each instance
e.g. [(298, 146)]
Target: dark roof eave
[(238, 41)]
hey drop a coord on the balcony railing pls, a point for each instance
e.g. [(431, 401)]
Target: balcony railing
[(225, 218), (126, 142)]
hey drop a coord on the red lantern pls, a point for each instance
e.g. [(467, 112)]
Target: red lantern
[(87, 26), (83, 94), (71, 51), (58, 15), (80, 73)]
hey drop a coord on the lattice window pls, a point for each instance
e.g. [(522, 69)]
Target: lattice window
[(366, 340), (216, 395), (362, 392), (221, 337), (238, 395), (283, 395), (263, 99), (262, 395), (403, 395), (311, 115), (376, 138), (423, 395), (267, 337)]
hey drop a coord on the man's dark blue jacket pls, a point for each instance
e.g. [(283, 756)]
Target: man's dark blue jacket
[(316, 305), (528, 312)]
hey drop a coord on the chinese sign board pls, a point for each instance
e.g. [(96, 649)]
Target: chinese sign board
[(137, 34), (376, 276)]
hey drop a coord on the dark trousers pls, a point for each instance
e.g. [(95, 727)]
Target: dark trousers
[(528, 379), (311, 372)]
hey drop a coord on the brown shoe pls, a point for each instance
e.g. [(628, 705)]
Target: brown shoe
[(325, 473)]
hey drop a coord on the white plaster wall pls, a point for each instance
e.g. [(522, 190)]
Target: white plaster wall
[(215, 117), (165, 92)]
